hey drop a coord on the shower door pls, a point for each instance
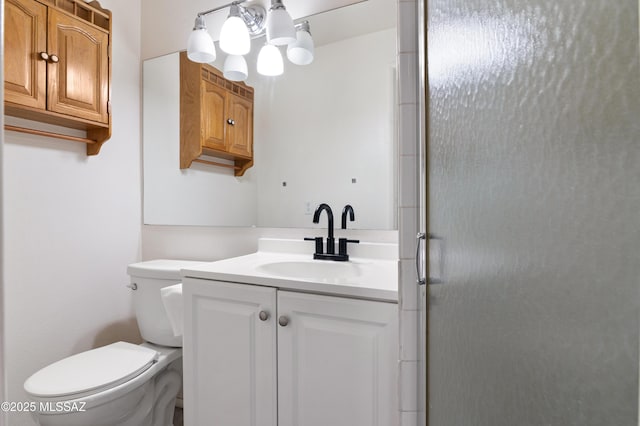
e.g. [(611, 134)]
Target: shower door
[(533, 189)]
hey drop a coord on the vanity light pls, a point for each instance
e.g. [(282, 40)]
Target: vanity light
[(270, 61), (244, 23), (300, 52), (234, 35), (235, 68), (200, 46), (280, 29)]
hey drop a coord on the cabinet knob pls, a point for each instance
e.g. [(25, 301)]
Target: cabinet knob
[(283, 321), (263, 315), (54, 59), (44, 56), (230, 121)]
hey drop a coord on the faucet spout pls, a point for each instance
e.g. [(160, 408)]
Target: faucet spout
[(316, 219), (347, 209)]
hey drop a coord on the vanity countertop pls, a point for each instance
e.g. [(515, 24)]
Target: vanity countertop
[(370, 273)]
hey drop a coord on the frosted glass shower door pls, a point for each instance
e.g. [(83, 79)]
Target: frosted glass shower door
[(534, 186)]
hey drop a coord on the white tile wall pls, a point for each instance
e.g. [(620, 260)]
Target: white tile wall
[(408, 214)]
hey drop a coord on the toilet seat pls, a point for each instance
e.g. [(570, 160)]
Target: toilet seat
[(92, 371)]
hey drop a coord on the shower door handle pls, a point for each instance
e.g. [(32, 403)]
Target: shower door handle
[(420, 258), (434, 255)]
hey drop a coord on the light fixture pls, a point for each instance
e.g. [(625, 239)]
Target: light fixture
[(235, 68), (245, 23), (280, 29), (234, 35), (270, 61), (200, 46), (300, 52)]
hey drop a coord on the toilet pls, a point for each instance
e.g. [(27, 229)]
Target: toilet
[(121, 384)]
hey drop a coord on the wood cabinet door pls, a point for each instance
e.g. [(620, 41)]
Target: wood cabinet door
[(212, 116), (337, 361), (239, 122), (78, 84), (25, 38), (229, 354)]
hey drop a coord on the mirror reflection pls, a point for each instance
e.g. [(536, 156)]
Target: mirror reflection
[(323, 132)]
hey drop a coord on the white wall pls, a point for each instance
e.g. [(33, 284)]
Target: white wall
[(200, 195), (318, 138), (72, 224)]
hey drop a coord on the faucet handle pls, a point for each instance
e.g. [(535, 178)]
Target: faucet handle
[(318, 240), (342, 245)]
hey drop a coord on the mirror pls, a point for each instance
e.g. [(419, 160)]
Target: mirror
[(325, 132)]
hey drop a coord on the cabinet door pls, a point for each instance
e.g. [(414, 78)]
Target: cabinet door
[(337, 361), (239, 125), (229, 354), (78, 84), (25, 38), (213, 117)]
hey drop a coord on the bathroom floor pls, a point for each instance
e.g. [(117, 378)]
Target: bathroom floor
[(178, 419)]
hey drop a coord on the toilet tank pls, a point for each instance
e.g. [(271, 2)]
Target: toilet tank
[(147, 278)]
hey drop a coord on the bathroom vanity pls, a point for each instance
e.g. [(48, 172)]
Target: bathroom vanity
[(276, 338)]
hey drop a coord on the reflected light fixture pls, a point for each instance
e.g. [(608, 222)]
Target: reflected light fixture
[(245, 23), (270, 61), (300, 52), (280, 29), (235, 68)]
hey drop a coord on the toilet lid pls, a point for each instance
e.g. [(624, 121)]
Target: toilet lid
[(99, 368)]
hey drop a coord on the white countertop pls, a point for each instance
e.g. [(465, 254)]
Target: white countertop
[(371, 272)]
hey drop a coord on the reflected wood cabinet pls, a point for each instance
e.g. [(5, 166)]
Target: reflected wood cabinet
[(216, 117), (57, 65), (261, 356)]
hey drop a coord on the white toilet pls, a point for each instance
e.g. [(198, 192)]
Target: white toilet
[(121, 384)]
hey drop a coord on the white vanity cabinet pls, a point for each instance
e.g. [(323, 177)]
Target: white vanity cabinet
[(263, 356)]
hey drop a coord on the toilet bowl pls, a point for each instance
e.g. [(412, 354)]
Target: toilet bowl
[(120, 384)]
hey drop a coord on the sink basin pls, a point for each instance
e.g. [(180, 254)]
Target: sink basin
[(312, 269)]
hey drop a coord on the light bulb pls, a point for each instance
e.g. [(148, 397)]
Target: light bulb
[(300, 52), (200, 47), (270, 61), (280, 28), (234, 35), (235, 68)]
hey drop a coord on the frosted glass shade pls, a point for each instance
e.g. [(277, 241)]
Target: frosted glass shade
[(280, 29), (300, 52), (200, 46), (270, 61), (234, 36), (235, 68)]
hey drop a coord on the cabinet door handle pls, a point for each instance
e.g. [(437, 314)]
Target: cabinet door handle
[(263, 315), (54, 59), (44, 56), (283, 321), (231, 122)]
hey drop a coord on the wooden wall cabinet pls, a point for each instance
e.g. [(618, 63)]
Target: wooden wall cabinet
[(216, 117), (57, 66)]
